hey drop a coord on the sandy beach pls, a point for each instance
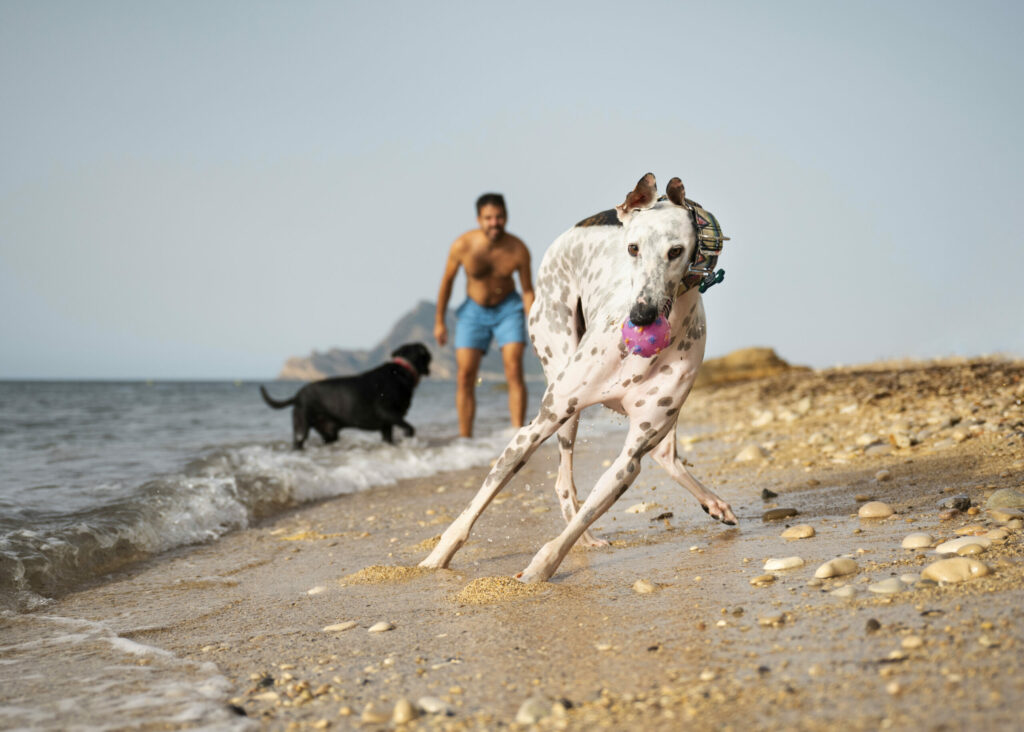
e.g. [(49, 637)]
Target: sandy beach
[(318, 618)]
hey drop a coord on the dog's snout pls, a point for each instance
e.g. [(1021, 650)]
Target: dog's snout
[(643, 314)]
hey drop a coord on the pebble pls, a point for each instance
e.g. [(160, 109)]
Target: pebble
[(883, 475), (774, 620), (750, 452), (338, 627), (1005, 498), (776, 563), (970, 549), (404, 712), (958, 569), (887, 586), (1015, 523), (911, 642), (641, 507), (954, 545), (917, 541), (960, 502), (644, 587), (778, 513), (373, 715), (380, 627), (996, 535), (433, 705), (762, 580), (767, 495), (800, 531), (1002, 515), (836, 568), (875, 509), (533, 710), (844, 591), (909, 579), (316, 590), (971, 530)]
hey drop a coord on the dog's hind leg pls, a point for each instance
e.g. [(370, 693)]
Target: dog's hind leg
[(300, 428), (665, 455), (525, 442), (565, 486)]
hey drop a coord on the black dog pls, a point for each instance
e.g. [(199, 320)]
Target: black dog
[(374, 400)]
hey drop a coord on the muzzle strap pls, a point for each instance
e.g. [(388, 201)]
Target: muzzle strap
[(701, 271)]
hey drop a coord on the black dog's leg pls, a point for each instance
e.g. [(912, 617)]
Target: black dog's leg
[(407, 428), (300, 428), (386, 433)]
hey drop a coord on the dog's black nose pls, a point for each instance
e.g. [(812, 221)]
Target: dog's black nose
[(643, 314)]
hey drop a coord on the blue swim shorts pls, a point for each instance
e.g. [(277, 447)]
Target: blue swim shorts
[(475, 325)]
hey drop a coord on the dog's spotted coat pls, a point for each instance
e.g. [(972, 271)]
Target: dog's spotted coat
[(590, 280)]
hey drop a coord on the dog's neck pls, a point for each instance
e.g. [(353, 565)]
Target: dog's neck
[(407, 365)]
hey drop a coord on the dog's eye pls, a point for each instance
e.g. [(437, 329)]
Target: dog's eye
[(633, 250), (674, 252)]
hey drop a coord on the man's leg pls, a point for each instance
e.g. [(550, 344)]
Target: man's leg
[(512, 357), (467, 360)]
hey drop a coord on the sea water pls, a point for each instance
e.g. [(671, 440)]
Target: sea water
[(95, 475)]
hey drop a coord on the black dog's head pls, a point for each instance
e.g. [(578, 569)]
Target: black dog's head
[(416, 354)]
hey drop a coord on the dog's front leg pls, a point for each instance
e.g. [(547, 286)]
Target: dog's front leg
[(642, 436), (565, 486), (665, 455), (523, 445)]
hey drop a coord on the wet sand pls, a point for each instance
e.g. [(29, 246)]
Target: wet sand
[(699, 646)]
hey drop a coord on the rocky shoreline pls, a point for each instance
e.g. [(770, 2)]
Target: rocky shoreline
[(828, 607)]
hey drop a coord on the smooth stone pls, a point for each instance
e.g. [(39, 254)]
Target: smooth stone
[(778, 513), (970, 549), (339, 627), (372, 714), (749, 453), (1002, 515), (953, 545), (767, 495), (775, 563), (771, 620), (380, 627), (316, 590), (533, 710), (971, 530), (763, 579), (887, 586), (404, 712), (909, 579), (836, 568), (917, 541), (433, 705), (644, 587), (641, 507), (996, 535), (875, 509), (958, 569), (1005, 498), (878, 448), (911, 642), (800, 531), (1015, 524), (844, 591), (960, 502), (883, 475)]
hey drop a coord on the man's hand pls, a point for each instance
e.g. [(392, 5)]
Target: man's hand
[(441, 334)]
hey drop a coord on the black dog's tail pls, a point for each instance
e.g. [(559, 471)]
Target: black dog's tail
[(273, 402)]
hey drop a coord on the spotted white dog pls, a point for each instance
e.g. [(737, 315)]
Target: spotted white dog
[(634, 260)]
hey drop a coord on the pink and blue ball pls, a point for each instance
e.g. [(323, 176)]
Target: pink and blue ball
[(646, 340)]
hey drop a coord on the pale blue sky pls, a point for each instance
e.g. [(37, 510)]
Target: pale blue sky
[(202, 189)]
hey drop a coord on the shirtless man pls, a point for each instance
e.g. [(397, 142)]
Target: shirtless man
[(492, 308)]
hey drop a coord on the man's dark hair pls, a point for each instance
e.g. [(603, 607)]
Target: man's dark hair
[(491, 199)]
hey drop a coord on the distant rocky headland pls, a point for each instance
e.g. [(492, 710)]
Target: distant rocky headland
[(418, 325), (415, 325)]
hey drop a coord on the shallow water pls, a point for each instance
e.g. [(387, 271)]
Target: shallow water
[(97, 474)]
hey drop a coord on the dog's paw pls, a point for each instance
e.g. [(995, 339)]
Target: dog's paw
[(720, 511), (589, 540)]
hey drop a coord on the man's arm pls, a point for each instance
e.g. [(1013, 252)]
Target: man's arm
[(445, 293), (525, 278)]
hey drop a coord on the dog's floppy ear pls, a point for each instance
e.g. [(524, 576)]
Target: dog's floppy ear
[(643, 196), (676, 192)]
